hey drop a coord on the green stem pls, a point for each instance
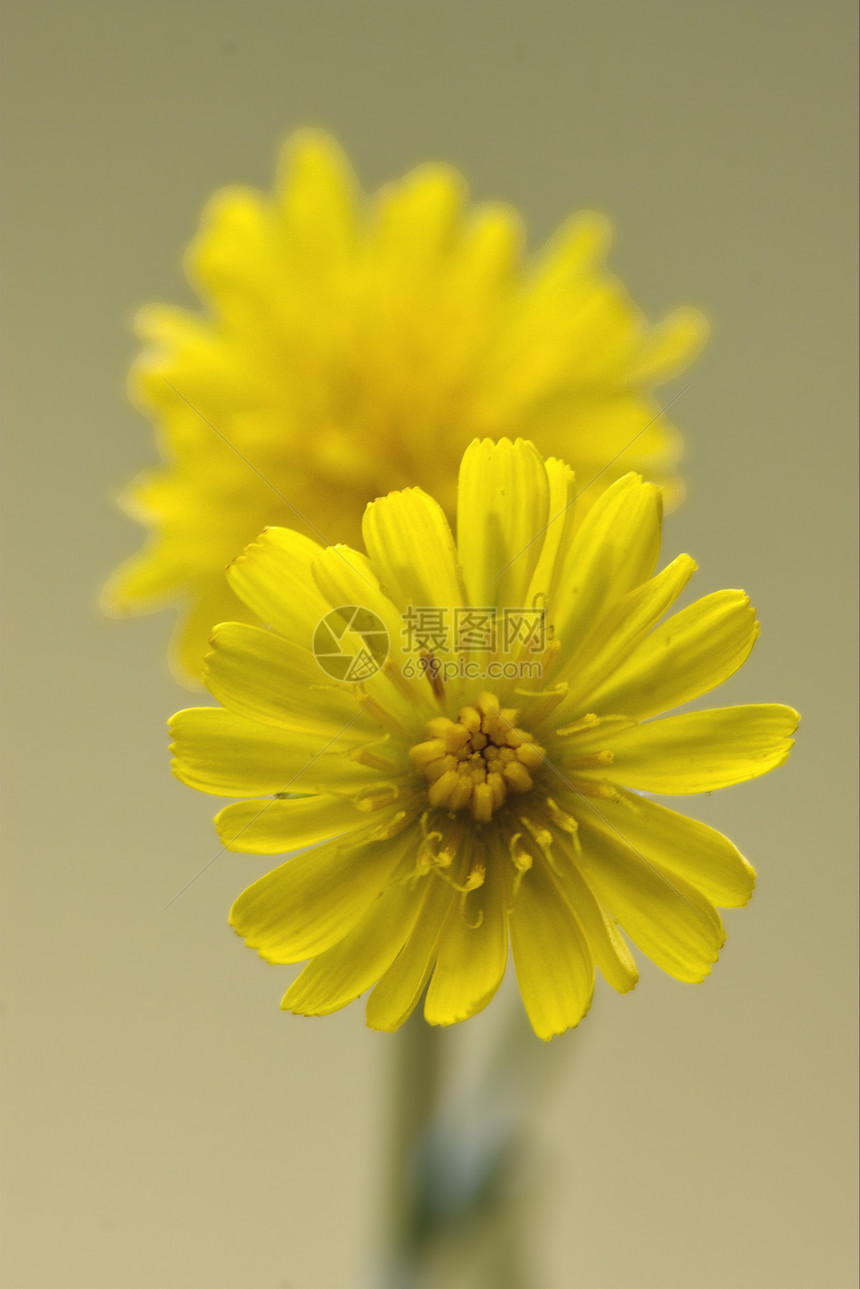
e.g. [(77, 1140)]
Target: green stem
[(457, 1165), (417, 1079)]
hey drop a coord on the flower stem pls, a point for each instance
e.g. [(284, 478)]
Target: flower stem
[(460, 1163), (417, 1079)]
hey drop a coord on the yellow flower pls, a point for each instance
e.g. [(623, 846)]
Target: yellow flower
[(467, 790), (350, 347)]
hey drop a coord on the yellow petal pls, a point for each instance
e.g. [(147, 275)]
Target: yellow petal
[(678, 844), (605, 943), (502, 513), (670, 920), (487, 262), (551, 955), (220, 752), (278, 825), (315, 195), (580, 244), (272, 576), (313, 900), (614, 550), (559, 528), (670, 346), (690, 654), (346, 578), (412, 550), (557, 329), (416, 220), (230, 259), (340, 974), (473, 952), (613, 441), (189, 641), (258, 674), (145, 581), (622, 627), (397, 993), (185, 373), (701, 751)]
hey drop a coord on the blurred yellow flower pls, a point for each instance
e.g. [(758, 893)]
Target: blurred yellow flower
[(349, 347), (470, 728)]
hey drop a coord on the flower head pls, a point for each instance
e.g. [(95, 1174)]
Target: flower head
[(352, 346), (462, 735)]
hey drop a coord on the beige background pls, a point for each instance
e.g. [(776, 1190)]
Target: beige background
[(165, 1126)]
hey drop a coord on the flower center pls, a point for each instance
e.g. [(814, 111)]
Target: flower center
[(478, 759)]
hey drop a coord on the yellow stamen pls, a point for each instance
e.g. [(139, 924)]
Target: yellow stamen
[(561, 818), (476, 760), (542, 703), (591, 762), (380, 714)]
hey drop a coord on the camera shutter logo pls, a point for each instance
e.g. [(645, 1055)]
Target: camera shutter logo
[(351, 643)]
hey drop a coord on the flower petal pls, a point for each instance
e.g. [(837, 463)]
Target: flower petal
[(191, 637), (412, 550), (145, 581), (313, 900), (347, 578), (278, 825), (315, 194), (484, 270), (415, 221), (272, 576), (551, 955), (397, 993), (502, 512), (670, 345), (612, 441), (258, 674), (620, 629), (615, 549), (670, 920), (220, 752), (700, 751), (340, 974), (561, 513), (473, 952), (690, 654), (229, 260), (605, 943), (678, 844)]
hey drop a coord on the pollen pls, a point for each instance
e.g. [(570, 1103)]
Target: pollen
[(475, 761)]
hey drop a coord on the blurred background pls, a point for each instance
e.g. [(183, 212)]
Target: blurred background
[(166, 1127)]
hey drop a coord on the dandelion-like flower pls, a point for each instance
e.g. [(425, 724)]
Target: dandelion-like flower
[(349, 347), (462, 736)]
